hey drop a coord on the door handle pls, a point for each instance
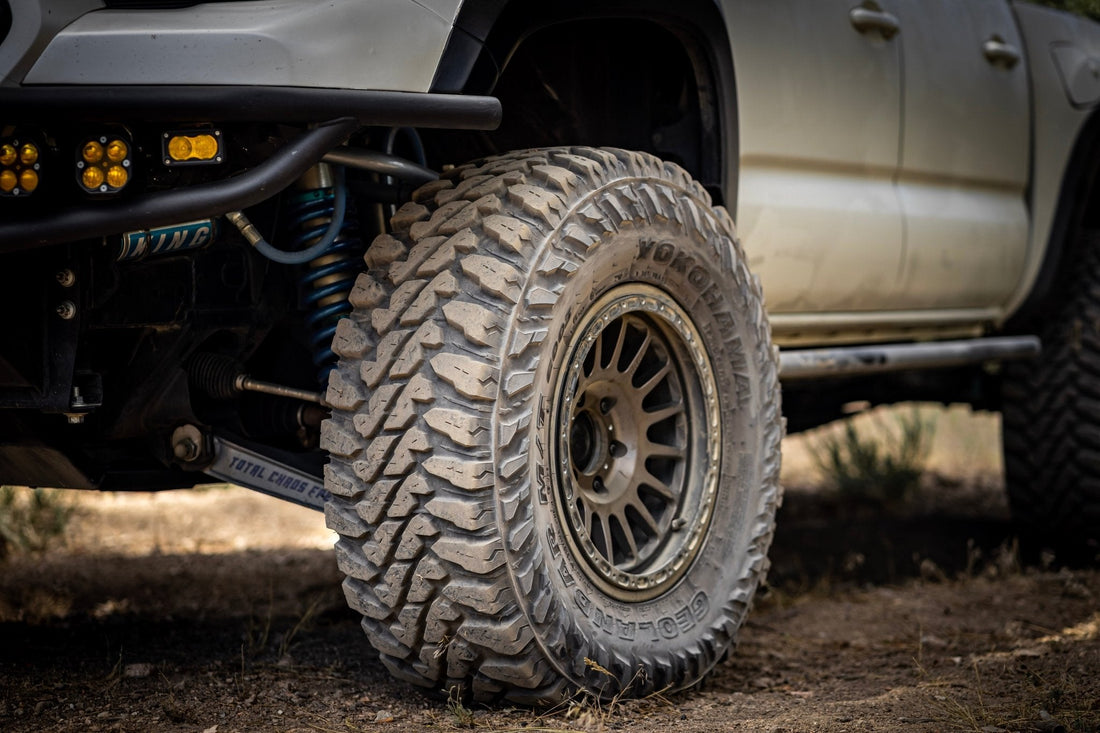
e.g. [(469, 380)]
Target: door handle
[(869, 17), (999, 53)]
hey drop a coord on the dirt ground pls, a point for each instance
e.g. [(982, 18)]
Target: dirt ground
[(220, 610)]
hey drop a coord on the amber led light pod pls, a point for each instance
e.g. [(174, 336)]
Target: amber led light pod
[(104, 163), (192, 147), (19, 166)]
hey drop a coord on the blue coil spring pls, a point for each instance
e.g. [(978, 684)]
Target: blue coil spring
[(329, 278)]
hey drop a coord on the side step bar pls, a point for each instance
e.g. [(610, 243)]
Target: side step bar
[(849, 361)]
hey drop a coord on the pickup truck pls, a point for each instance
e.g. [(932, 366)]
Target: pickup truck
[(537, 395)]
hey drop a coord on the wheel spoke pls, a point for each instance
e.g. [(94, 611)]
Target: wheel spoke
[(657, 485), (631, 543), (647, 518), (608, 547), (656, 379), (652, 418), (649, 449), (639, 356), (586, 513), (597, 356), (613, 365)]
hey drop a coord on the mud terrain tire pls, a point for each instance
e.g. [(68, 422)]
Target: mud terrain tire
[(1052, 422), (556, 427)]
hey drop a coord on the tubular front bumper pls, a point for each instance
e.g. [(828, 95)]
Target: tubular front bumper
[(333, 114)]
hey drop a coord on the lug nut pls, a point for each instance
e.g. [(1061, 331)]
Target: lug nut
[(66, 278), (606, 404), (66, 309)]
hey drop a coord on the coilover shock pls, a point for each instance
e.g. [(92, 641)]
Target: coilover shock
[(328, 278)]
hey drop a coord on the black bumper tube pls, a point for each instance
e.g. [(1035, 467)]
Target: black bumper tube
[(246, 104)]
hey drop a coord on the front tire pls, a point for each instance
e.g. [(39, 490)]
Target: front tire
[(555, 443)]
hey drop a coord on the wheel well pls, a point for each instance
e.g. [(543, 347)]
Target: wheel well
[(632, 75), (1078, 210)]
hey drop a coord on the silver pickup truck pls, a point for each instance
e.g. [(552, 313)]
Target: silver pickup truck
[(538, 395)]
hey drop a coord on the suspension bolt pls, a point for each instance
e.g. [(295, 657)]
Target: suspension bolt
[(187, 443), (186, 449), (66, 278), (66, 309)]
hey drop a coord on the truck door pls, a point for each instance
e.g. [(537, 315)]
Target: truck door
[(819, 106), (964, 155)]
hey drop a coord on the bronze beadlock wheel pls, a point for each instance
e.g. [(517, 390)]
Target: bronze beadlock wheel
[(555, 431), (639, 443)]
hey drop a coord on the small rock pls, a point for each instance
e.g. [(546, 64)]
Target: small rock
[(138, 669), (933, 641), (211, 729), (993, 729), (383, 716)]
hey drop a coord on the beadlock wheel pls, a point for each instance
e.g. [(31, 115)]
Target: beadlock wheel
[(555, 432), (639, 440)]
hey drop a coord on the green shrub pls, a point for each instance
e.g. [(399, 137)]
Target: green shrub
[(30, 519), (882, 465)]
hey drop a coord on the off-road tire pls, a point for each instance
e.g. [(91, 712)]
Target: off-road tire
[(1051, 420), (457, 368)]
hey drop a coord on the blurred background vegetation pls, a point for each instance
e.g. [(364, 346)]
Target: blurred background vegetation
[(31, 519), (1090, 8)]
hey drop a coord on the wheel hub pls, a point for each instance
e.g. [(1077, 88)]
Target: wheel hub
[(637, 442)]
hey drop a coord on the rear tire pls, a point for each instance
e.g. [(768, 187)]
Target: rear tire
[(555, 442), (1051, 423)]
